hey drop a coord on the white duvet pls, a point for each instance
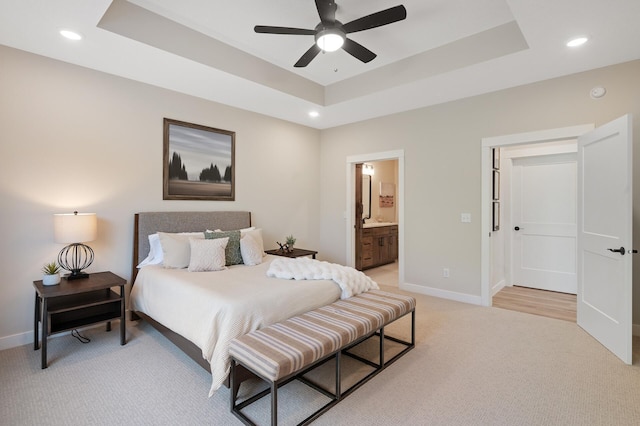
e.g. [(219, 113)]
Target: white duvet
[(211, 308), (351, 281)]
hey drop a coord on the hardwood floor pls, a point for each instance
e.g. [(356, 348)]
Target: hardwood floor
[(538, 302)]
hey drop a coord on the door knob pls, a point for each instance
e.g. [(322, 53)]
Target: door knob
[(517, 228), (621, 250)]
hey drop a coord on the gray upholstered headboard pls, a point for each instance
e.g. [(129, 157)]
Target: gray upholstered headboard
[(148, 223)]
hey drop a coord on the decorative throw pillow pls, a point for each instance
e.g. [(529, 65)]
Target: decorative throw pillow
[(207, 255), (256, 234), (250, 250), (232, 252), (176, 251)]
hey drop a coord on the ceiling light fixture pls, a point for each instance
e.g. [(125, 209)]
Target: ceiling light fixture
[(71, 35), (330, 39), (578, 41), (314, 114)]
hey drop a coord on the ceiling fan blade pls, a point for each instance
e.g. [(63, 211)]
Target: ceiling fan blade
[(358, 51), (327, 11), (308, 56), (378, 19), (265, 29)]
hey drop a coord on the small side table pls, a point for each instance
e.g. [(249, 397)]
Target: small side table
[(295, 252), (76, 303)]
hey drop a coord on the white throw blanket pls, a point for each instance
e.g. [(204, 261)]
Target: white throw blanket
[(351, 281)]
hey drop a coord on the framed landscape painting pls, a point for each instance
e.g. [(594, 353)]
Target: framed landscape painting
[(199, 162)]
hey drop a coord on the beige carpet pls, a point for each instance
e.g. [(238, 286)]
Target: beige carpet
[(471, 366)]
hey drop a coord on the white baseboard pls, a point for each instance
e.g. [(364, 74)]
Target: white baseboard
[(26, 338), (443, 294), (16, 340), (497, 287)]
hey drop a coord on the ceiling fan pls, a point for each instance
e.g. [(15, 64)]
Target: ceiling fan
[(331, 35)]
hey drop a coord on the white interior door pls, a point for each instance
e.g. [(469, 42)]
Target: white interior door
[(543, 206), (605, 224)]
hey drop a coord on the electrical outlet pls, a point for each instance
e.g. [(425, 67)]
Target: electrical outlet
[(445, 272)]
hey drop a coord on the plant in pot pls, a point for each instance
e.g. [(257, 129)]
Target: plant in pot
[(290, 242), (50, 274)]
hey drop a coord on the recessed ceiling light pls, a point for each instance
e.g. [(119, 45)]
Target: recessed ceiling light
[(578, 41), (71, 35), (314, 114)]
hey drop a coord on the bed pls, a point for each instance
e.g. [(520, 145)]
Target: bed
[(201, 312)]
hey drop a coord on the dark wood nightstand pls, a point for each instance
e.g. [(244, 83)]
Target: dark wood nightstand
[(296, 252), (76, 303)]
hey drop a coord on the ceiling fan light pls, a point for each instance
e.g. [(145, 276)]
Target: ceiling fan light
[(329, 41)]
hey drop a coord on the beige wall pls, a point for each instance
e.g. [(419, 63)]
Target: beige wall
[(442, 166), (73, 138)]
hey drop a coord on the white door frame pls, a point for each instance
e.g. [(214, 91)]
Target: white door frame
[(351, 179), (563, 133)]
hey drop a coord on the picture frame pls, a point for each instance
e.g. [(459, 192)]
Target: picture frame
[(496, 216), (496, 185), (496, 158), (198, 162)]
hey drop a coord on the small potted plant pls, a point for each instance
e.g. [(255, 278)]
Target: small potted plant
[(290, 242), (50, 274)]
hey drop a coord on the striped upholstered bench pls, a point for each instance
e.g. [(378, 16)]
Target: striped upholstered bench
[(287, 350)]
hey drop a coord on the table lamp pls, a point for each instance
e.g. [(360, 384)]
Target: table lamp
[(74, 229)]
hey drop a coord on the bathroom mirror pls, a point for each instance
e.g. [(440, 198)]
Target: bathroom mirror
[(366, 197)]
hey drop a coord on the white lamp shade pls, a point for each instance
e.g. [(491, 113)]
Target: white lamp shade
[(75, 227)]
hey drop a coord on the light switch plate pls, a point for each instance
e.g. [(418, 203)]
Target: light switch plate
[(465, 217)]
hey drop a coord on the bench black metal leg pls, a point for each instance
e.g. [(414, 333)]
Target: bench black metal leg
[(413, 328), (338, 376), (382, 347), (274, 404)]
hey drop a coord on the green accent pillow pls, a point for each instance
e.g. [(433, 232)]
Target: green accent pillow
[(232, 252)]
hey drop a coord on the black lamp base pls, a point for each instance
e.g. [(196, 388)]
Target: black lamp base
[(76, 275), (74, 258)]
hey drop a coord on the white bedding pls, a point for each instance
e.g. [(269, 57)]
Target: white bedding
[(351, 281), (211, 308)]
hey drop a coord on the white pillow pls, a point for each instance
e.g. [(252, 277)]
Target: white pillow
[(176, 251), (257, 235), (207, 255), (155, 256), (250, 250), (155, 252)]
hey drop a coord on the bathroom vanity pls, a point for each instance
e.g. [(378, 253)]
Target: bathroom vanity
[(379, 244)]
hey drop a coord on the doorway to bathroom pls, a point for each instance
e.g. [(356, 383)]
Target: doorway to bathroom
[(375, 208)]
